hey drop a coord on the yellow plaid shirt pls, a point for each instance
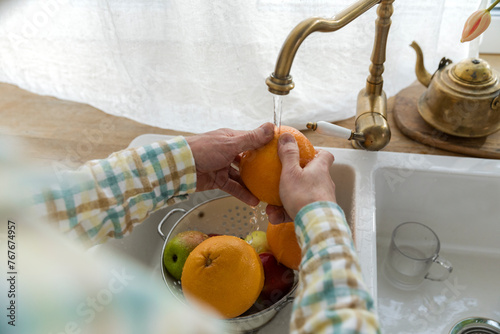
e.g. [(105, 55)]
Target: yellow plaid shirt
[(106, 198), (332, 296)]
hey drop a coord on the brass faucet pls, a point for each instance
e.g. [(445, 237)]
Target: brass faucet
[(371, 128)]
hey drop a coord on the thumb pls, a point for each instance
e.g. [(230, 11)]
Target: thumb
[(288, 152), (251, 140)]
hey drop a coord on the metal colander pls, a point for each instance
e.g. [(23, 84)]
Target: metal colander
[(224, 215)]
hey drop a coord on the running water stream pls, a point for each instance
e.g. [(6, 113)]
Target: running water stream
[(277, 111), (260, 211)]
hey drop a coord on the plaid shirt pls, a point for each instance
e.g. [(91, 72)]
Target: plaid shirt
[(106, 198), (331, 296)]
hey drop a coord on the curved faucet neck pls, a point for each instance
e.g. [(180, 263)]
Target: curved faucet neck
[(314, 24)]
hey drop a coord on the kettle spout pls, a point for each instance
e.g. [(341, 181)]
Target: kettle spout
[(422, 75)]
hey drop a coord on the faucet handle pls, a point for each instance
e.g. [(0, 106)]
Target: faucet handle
[(334, 130)]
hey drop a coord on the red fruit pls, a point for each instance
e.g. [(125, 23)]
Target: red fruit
[(213, 235), (278, 281)]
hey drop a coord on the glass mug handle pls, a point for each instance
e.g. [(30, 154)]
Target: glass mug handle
[(446, 269)]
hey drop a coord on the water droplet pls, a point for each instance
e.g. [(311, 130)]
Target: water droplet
[(253, 220)]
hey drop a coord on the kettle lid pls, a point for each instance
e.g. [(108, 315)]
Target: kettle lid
[(473, 71)]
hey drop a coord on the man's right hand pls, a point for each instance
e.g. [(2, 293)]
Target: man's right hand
[(301, 186)]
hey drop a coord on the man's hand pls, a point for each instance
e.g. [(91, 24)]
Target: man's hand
[(216, 154), (300, 186)]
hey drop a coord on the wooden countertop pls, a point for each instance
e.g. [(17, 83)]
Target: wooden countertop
[(70, 133)]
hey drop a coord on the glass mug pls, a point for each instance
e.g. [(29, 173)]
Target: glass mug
[(414, 249)]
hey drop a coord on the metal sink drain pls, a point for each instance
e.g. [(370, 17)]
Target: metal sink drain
[(476, 326)]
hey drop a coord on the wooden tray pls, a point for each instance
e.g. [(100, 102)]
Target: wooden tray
[(409, 121)]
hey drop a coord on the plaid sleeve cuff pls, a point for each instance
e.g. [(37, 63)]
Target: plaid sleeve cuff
[(318, 217), (105, 198), (331, 296)]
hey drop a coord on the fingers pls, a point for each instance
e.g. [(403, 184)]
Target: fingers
[(288, 152), (234, 174), (237, 190), (233, 185), (251, 140), (277, 215), (323, 159)]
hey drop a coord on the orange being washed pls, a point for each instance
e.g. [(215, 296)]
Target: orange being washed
[(283, 243), (223, 272), (260, 169)]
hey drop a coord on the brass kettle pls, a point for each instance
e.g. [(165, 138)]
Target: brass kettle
[(462, 99)]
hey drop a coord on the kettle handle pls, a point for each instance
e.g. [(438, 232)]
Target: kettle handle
[(495, 104)]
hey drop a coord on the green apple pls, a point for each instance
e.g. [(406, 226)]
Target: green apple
[(178, 249), (258, 240)]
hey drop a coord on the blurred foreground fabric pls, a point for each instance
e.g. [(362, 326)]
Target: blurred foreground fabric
[(53, 286), (197, 65)]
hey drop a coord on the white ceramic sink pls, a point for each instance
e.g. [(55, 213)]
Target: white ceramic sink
[(458, 198), (463, 208)]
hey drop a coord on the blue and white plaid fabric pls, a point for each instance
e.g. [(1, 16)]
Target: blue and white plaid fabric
[(105, 198), (331, 296)]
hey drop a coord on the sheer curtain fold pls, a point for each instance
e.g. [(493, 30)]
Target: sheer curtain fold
[(200, 65)]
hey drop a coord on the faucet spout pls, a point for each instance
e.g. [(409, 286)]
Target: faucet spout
[(280, 81)]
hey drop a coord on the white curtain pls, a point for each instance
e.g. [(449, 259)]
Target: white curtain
[(197, 65)]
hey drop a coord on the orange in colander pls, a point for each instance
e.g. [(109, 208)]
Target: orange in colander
[(223, 272), (283, 243)]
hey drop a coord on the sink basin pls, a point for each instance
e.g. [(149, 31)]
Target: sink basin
[(457, 197), (463, 209)]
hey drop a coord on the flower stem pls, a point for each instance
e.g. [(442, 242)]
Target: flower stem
[(493, 5)]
